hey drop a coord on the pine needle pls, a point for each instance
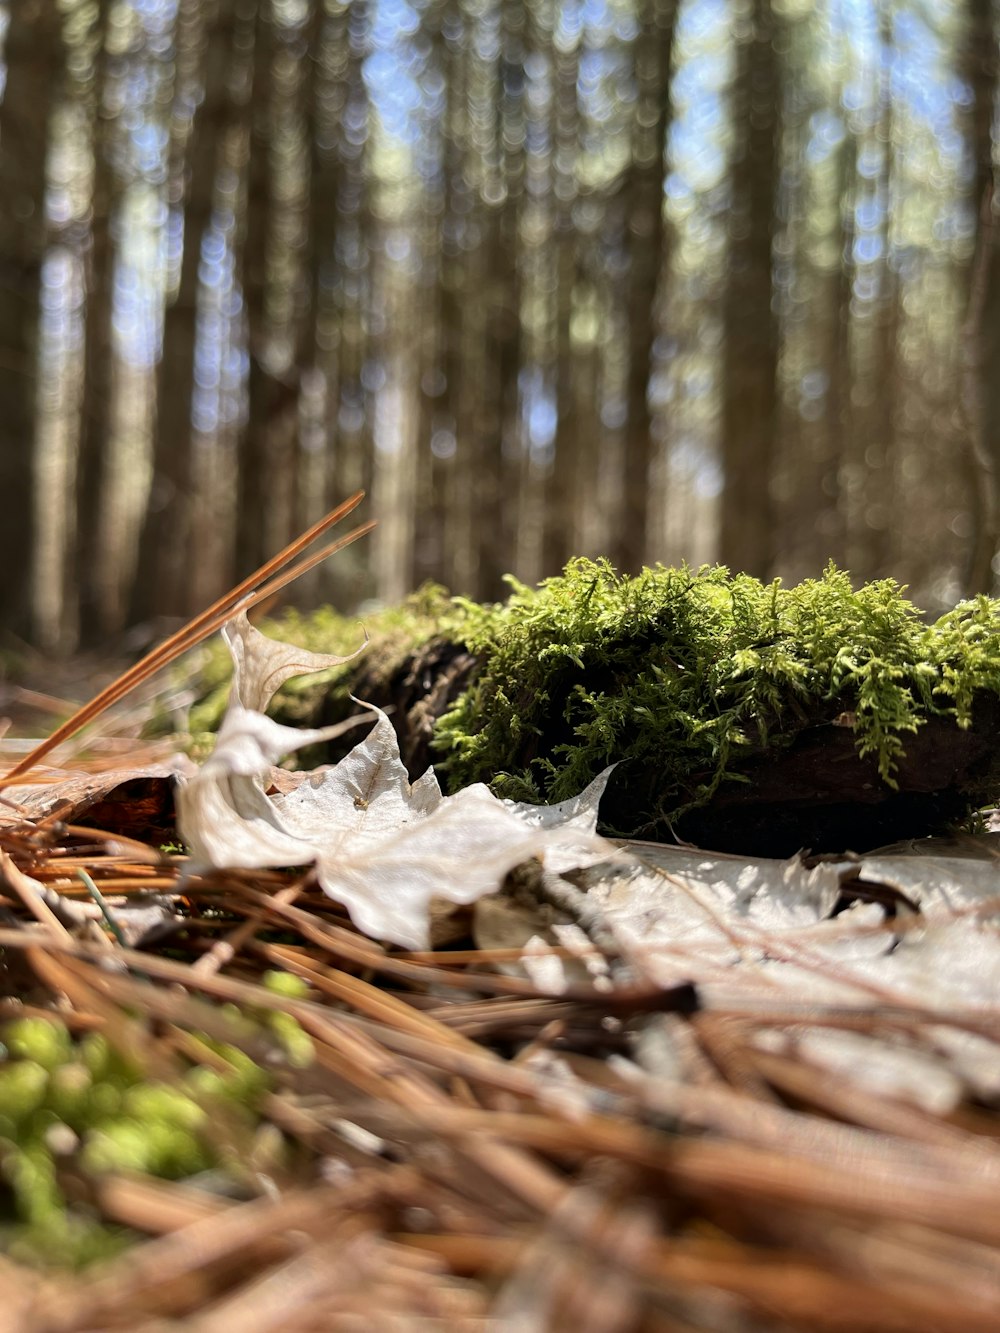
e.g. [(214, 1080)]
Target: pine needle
[(264, 582)]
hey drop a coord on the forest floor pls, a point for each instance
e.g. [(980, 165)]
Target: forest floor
[(670, 1090)]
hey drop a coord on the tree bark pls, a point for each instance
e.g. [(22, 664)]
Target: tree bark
[(647, 241), (33, 55), (750, 353), (162, 585), (980, 391), (94, 608)]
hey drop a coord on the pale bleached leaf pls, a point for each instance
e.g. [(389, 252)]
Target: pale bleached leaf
[(579, 812), (755, 932), (384, 847), (684, 915), (228, 821), (365, 796), (577, 816), (223, 813), (940, 886), (459, 851), (261, 665)]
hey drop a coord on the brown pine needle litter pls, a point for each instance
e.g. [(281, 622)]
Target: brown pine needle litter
[(463, 1150)]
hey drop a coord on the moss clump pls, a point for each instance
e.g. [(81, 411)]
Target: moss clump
[(688, 673), (695, 678)]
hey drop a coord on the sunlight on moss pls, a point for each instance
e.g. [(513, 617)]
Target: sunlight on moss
[(689, 671)]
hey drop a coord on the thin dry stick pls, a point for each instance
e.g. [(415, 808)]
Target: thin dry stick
[(32, 899), (249, 590)]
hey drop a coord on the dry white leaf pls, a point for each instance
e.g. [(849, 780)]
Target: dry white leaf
[(384, 847), (223, 813), (261, 665), (685, 915), (749, 932)]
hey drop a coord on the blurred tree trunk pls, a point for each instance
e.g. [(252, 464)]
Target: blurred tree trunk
[(434, 425), (563, 478), (454, 300), (162, 586), (95, 608), (33, 55), (647, 258), (878, 531), (981, 335), (276, 280), (838, 414), (316, 354), (267, 396), (750, 351), (498, 489), (358, 324)]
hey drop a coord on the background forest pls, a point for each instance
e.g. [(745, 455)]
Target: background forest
[(661, 279)]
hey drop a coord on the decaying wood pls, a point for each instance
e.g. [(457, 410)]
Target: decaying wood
[(816, 793)]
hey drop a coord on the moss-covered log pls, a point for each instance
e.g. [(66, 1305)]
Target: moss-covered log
[(743, 716)]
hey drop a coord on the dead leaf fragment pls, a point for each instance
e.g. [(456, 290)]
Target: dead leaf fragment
[(383, 846)]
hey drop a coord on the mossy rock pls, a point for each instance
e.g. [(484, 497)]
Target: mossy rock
[(743, 716)]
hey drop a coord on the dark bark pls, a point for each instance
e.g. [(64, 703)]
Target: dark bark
[(497, 491), (647, 243), (437, 370), (451, 479), (980, 393), (750, 353), (820, 796), (563, 480), (878, 518), (322, 103), (162, 585), (350, 408), (837, 417), (95, 610), (277, 281), (33, 55), (268, 398)]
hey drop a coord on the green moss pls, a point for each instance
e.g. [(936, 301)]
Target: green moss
[(689, 672)]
